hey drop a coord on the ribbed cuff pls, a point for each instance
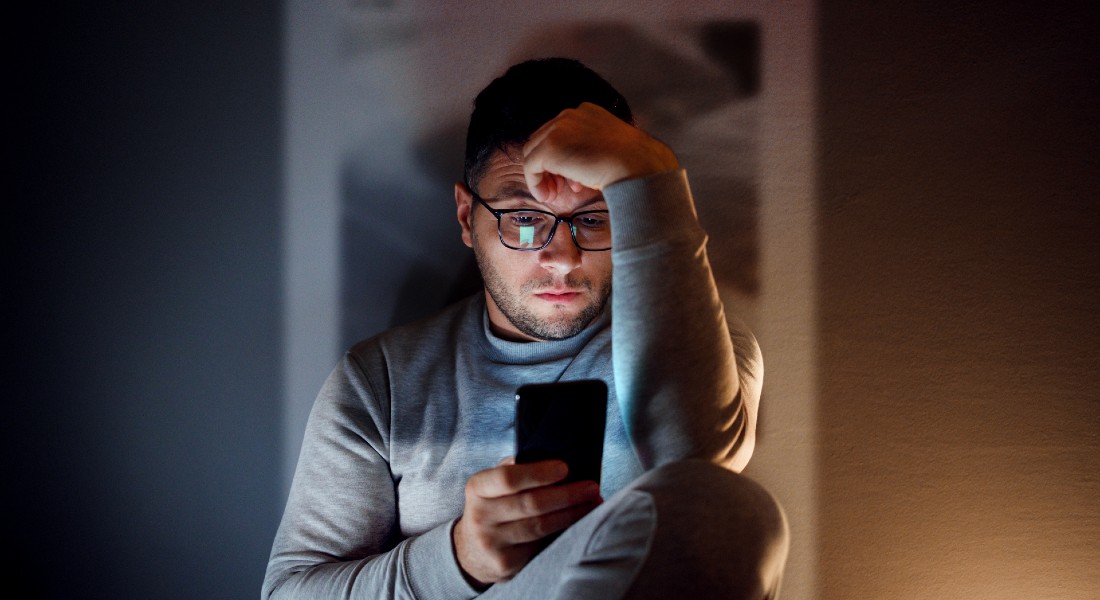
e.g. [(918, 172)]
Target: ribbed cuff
[(651, 209), (433, 569)]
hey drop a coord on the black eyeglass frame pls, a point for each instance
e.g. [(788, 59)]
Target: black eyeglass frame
[(498, 213)]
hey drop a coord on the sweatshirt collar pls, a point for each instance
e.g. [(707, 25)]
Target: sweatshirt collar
[(505, 351)]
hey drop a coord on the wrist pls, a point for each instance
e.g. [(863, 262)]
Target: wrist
[(650, 160), (457, 541)]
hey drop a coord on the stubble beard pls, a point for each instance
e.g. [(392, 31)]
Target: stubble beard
[(519, 313)]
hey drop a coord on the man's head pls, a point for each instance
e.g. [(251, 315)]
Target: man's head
[(555, 292), (529, 94)]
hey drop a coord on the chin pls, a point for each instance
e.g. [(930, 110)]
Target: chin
[(557, 328)]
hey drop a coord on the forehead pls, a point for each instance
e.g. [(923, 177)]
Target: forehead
[(503, 175), (503, 181)]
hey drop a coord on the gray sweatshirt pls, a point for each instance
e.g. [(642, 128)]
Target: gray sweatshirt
[(409, 415)]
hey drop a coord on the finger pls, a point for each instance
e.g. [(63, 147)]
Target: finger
[(540, 181), (507, 460), (563, 148), (544, 500), (506, 480), (535, 183), (536, 528), (539, 156), (534, 171), (576, 186)]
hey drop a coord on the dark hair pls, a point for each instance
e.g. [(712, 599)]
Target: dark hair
[(529, 94)]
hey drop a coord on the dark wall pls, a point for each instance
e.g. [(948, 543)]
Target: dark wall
[(143, 432), (959, 180)]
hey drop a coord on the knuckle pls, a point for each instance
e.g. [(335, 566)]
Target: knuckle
[(478, 514), (509, 478), (472, 487), (544, 501), (536, 528), (529, 504)]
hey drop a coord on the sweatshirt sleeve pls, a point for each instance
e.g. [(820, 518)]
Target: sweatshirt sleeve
[(688, 381), (339, 536)]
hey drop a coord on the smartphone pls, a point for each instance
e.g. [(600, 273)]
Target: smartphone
[(563, 420)]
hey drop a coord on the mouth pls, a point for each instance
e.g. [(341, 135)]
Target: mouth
[(558, 296)]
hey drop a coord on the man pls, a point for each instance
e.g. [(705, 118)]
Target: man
[(401, 490)]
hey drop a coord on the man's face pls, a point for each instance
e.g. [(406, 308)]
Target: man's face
[(549, 294)]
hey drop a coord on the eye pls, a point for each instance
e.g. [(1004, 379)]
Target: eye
[(525, 219), (593, 221)]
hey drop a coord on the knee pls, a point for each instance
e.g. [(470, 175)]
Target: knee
[(704, 489), (719, 534)]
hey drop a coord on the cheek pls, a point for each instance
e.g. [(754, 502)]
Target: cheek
[(517, 267), (491, 254), (600, 267)]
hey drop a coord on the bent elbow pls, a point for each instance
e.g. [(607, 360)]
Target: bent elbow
[(742, 451)]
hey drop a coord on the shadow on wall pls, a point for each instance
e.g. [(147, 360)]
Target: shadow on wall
[(691, 86)]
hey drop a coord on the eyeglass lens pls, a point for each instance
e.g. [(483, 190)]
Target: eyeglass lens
[(530, 229)]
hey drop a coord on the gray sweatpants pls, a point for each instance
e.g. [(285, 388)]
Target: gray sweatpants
[(689, 530)]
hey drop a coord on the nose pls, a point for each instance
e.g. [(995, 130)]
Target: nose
[(561, 255)]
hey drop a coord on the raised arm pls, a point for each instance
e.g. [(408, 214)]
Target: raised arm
[(688, 385)]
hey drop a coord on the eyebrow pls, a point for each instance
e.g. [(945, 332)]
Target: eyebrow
[(517, 192), (514, 191)]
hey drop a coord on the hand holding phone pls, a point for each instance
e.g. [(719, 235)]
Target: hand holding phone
[(511, 513), (565, 421)]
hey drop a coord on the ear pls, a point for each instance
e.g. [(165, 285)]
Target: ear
[(464, 202)]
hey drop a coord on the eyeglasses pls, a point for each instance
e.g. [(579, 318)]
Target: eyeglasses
[(525, 229)]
